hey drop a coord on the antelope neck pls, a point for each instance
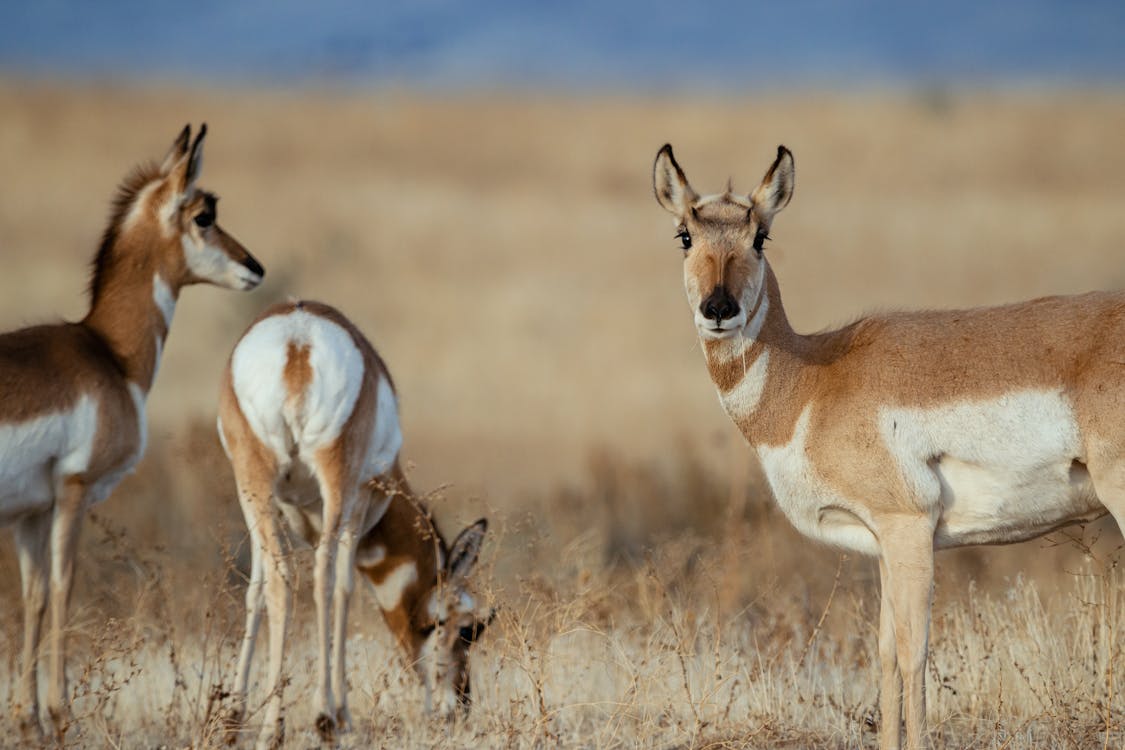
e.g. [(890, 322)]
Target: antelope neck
[(759, 369), (132, 312)]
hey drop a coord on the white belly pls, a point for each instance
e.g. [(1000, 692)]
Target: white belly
[(986, 472), (1001, 470), (990, 504)]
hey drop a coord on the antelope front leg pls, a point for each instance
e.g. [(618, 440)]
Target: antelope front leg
[(890, 690), (70, 503), (908, 551), (32, 536)]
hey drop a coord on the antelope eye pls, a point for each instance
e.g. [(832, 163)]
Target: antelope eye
[(468, 634), (684, 238), (204, 219), (759, 240)]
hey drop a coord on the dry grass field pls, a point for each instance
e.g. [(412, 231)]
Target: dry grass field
[(506, 256)]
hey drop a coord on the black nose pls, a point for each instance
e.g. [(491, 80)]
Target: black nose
[(720, 305), (254, 265)]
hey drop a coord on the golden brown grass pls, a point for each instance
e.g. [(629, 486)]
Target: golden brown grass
[(507, 258)]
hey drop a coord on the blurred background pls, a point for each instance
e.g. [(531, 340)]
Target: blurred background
[(470, 182)]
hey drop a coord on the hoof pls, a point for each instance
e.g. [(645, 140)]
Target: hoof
[(326, 728), (343, 720), (31, 731), (60, 722), (272, 740)]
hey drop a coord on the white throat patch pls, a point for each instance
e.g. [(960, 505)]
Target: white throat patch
[(164, 298)]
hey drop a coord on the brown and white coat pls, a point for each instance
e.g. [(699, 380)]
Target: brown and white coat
[(72, 395), (309, 419), (904, 433)]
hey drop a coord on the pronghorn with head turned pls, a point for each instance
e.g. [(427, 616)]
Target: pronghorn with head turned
[(72, 395), (309, 419), (904, 433)]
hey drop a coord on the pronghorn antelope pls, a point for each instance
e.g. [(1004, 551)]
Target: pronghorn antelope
[(904, 433), (72, 395), (309, 419)]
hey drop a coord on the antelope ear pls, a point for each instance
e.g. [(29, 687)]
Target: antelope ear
[(195, 161), (670, 185), (185, 171), (776, 189), (465, 550), (178, 151)]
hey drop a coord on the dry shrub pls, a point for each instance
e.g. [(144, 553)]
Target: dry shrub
[(657, 598), (639, 607)]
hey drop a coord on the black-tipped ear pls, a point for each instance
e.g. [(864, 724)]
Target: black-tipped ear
[(776, 189), (178, 150), (670, 184), (195, 162), (465, 550)]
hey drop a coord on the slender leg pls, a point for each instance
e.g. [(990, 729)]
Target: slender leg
[(70, 504), (908, 551), (335, 504), (273, 567), (890, 692), (32, 536), (255, 603), (345, 584)]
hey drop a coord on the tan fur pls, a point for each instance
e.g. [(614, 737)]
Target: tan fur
[(360, 515), (109, 357), (841, 381), (298, 372), (406, 532)]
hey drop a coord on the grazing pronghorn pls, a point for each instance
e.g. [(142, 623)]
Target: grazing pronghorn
[(72, 395), (309, 419), (904, 433)]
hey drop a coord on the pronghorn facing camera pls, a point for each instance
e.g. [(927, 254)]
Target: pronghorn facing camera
[(903, 433), (309, 419), (72, 395)]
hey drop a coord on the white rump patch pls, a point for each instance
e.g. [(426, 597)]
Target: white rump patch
[(386, 439), (315, 418)]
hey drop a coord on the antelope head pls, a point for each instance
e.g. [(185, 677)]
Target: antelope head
[(722, 238), (451, 623), (167, 210)]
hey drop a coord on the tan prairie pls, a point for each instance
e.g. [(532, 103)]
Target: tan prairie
[(505, 255)]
